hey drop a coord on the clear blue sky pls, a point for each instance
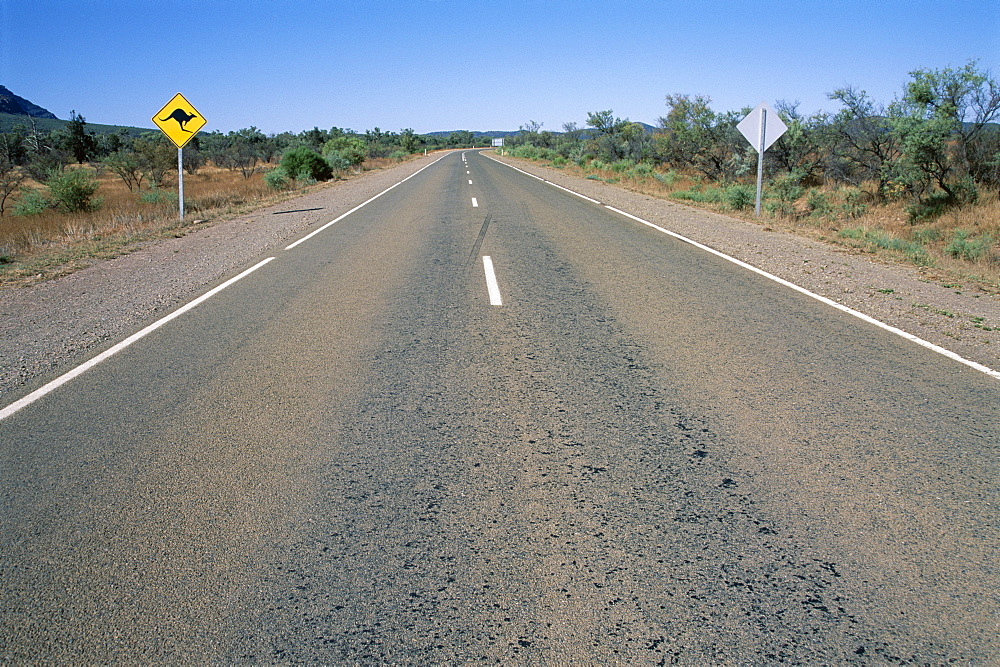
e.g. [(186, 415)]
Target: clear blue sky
[(470, 64)]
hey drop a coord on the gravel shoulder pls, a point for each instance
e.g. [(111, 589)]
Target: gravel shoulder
[(48, 328), (900, 295)]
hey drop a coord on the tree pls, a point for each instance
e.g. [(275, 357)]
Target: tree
[(864, 147), (128, 166), (351, 148), (11, 178), (76, 140), (941, 113), (244, 148), (801, 150), (693, 135), (408, 140), (156, 156)]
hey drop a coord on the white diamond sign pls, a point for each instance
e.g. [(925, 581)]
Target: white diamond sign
[(762, 118)]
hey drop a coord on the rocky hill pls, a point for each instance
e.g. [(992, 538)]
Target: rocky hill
[(12, 104)]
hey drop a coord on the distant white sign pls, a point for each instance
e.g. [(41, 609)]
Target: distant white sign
[(766, 118), (497, 141)]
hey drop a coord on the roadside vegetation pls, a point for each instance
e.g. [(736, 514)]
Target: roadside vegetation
[(916, 179), (69, 195)]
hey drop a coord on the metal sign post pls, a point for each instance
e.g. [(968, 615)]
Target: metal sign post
[(762, 127), (188, 121), (180, 180), (760, 160)]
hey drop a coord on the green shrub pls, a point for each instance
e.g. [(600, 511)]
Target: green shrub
[(877, 239), (929, 207), (398, 156), (853, 206), (277, 179), (642, 170), (667, 179), (926, 235), (353, 148), (73, 191), (31, 202), (740, 197), (710, 195), (338, 161), (157, 196), (818, 203), (527, 151), (787, 188), (621, 166), (559, 161), (304, 164), (962, 247)]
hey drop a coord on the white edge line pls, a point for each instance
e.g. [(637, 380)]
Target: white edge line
[(86, 366), (830, 302), (491, 282), (781, 281), (362, 205)]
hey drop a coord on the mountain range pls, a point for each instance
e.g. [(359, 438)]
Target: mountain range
[(18, 106)]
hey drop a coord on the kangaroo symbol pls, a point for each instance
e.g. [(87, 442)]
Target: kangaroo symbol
[(181, 116)]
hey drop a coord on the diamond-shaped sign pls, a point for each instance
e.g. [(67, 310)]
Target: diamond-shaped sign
[(179, 120), (766, 118)]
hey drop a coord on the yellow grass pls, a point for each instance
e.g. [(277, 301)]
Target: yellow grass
[(54, 243)]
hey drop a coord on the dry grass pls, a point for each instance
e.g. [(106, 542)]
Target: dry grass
[(53, 243)]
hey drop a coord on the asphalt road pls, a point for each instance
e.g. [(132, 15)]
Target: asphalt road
[(645, 455)]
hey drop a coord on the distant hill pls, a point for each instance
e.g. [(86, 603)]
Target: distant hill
[(509, 133), (9, 121), (18, 106)]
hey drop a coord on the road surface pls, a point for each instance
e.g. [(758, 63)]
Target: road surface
[(480, 419)]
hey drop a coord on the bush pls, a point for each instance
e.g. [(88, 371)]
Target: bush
[(740, 197), (337, 161), (31, 202), (303, 164), (701, 196), (852, 206), (157, 196), (667, 178), (277, 179), (354, 149), (818, 203), (642, 170), (962, 247), (73, 191)]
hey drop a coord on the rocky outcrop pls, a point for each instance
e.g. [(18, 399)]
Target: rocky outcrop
[(11, 103)]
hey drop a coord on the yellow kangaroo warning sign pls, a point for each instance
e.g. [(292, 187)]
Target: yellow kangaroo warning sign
[(179, 120)]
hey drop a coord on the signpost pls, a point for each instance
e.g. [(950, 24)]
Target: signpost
[(498, 143), (180, 121), (762, 127)]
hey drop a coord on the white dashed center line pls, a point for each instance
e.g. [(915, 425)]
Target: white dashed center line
[(491, 282), (475, 204)]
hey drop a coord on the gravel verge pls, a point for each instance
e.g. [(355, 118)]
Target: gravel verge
[(963, 319), (48, 328)]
